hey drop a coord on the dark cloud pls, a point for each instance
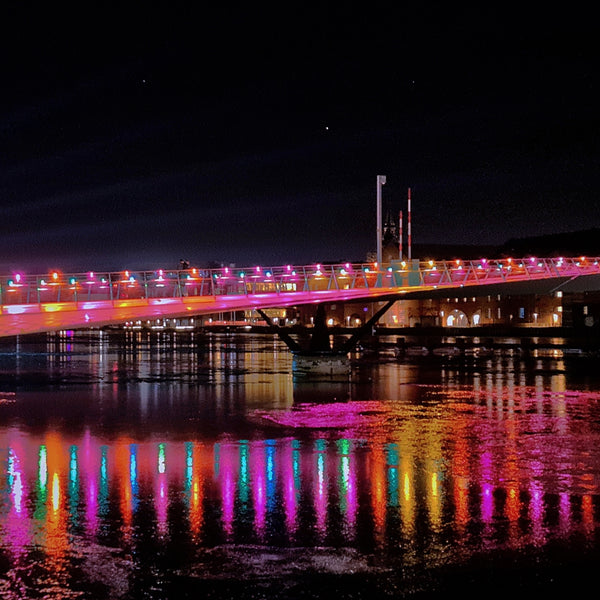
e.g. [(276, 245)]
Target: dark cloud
[(130, 138)]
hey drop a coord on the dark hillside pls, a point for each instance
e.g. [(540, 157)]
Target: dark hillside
[(575, 243)]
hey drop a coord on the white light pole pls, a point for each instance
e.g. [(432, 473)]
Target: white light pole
[(380, 182)]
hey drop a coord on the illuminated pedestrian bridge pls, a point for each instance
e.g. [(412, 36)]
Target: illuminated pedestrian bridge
[(56, 301)]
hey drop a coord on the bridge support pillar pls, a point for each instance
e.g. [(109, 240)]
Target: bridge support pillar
[(320, 343)]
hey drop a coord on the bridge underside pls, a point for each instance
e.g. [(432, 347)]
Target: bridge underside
[(35, 318), (23, 319)]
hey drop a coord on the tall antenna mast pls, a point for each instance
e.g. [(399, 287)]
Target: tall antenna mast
[(400, 236), (408, 227), (380, 182)]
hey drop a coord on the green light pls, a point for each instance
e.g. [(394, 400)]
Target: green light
[(42, 468), (162, 466)]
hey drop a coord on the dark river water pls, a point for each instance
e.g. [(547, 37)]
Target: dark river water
[(192, 467)]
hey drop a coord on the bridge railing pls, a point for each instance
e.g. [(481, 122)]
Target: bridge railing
[(57, 287)]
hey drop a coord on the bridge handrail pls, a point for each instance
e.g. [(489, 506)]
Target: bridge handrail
[(18, 288)]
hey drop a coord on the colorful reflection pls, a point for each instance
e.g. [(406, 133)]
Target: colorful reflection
[(470, 474)]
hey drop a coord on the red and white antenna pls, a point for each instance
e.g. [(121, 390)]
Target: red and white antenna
[(400, 236), (408, 227)]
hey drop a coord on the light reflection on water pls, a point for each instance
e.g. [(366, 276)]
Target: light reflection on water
[(132, 460)]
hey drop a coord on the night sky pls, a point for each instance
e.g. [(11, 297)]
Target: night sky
[(131, 138)]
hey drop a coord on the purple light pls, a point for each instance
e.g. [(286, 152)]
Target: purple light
[(259, 492)]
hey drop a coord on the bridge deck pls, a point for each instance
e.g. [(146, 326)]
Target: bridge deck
[(57, 301)]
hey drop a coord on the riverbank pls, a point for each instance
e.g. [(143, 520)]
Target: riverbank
[(489, 335)]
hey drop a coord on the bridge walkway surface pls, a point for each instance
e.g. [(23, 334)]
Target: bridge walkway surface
[(57, 301)]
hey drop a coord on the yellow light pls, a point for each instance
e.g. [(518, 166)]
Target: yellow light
[(51, 308)]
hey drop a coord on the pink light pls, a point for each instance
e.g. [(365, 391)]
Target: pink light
[(320, 493), (227, 475), (487, 503), (162, 504), (290, 493), (259, 492)]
